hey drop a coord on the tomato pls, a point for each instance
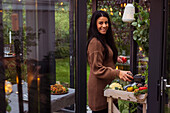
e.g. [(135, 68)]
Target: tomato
[(124, 59), (142, 88)]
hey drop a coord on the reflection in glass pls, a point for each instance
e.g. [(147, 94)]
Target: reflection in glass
[(6, 50), (37, 33)]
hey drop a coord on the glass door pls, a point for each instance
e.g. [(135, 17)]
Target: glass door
[(36, 48)]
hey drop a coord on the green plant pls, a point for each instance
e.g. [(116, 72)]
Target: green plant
[(146, 74), (124, 106), (8, 107), (62, 20), (62, 48), (141, 25)]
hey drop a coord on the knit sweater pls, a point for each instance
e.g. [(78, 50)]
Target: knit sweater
[(102, 72)]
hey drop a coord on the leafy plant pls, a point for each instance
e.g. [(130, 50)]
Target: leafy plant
[(141, 25), (146, 74), (8, 107), (124, 106), (62, 20), (62, 48)]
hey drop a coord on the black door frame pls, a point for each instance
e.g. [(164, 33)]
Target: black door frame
[(156, 39), (2, 70), (164, 76), (81, 37)]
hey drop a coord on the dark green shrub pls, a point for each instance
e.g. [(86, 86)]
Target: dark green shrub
[(62, 51)]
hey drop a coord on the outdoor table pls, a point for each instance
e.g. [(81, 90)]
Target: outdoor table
[(57, 101), (123, 95)]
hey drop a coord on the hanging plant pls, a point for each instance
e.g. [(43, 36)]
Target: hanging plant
[(141, 25)]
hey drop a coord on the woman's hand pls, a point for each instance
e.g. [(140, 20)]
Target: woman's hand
[(123, 75), (119, 59)]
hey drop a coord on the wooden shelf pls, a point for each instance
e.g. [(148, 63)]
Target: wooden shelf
[(123, 95)]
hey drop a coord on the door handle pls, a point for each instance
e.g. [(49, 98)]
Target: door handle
[(166, 85)]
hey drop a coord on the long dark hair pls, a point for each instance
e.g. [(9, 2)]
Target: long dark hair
[(94, 33)]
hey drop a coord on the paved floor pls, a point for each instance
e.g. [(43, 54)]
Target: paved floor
[(88, 110), (70, 111)]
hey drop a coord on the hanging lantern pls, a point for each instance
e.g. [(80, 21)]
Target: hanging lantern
[(128, 15), (8, 87)]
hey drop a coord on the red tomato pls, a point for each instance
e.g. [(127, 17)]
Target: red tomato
[(124, 59), (142, 88)]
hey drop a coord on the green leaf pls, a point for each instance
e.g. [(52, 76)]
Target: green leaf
[(134, 24), (139, 25), (141, 32), (134, 37), (8, 108), (125, 111), (107, 87)]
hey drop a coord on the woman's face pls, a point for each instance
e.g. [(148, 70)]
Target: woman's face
[(102, 25)]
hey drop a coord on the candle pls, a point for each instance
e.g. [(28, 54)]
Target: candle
[(8, 87), (10, 37), (117, 68)]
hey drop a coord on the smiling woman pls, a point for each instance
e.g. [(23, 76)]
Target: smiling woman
[(102, 25), (102, 56)]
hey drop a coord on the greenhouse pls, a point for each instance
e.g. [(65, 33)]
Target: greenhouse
[(53, 60)]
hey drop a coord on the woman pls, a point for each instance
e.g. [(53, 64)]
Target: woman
[(102, 57)]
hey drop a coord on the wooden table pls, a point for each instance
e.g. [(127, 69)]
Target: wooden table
[(8, 59), (57, 101), (123, 95)]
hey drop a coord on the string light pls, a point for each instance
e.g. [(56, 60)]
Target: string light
[(111, 9), (61, 3), (111, 13), (38, 79), (124, 4), (148, 9), (121, 5), (120, 13), (105, 9), (140, 48), (102, 9)]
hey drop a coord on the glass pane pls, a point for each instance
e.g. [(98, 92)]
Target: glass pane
[(62, 42), (37, 52)]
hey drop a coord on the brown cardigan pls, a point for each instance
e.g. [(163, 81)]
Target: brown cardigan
[(102, 72)]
